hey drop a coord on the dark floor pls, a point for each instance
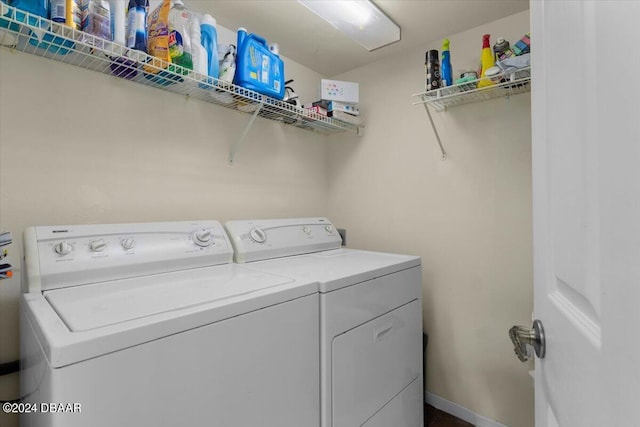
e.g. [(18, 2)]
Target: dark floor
[(436, 418)]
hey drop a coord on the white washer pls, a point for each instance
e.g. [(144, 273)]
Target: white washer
[(371, 318), (150, 325)]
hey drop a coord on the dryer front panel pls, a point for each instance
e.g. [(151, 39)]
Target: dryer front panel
[(373, 363)]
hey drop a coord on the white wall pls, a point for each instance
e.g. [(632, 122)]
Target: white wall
[(468, 217), (79, 147)]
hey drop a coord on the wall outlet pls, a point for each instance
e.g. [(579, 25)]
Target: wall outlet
[(343, 233)]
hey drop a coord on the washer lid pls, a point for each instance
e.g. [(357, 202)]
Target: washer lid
[(94, 306), (80, 323)]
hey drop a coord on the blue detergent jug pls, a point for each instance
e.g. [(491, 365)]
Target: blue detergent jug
[(8, 38), (258, 68), (42, 38)]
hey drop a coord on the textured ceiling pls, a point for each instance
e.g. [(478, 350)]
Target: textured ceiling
[(312, 42)]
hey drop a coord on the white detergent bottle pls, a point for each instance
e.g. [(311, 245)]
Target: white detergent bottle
[(198, 52), (118, 21)]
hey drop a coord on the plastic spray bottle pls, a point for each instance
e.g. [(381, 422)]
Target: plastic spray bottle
[(209, 39), (446, 70), (487, 60)]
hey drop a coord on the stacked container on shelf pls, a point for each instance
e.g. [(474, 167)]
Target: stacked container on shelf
[(171, 33)]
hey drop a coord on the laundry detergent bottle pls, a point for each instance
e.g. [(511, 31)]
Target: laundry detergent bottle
[(258, 68), (179, 35), (209, 40), (199, 53)]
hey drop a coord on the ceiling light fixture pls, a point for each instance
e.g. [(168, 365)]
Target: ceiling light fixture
[(361, 20)]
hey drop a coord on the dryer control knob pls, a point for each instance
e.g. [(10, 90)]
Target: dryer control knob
[(329, 228), (258, 235), (306, 230), (202, 238), (63, 248), (128, 243), (97, 245)]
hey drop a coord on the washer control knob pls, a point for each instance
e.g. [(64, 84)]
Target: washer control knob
[(329, 228), (306, 230), (202, 238), (128, 243), (97, 245), (258, 235), (63, 248)]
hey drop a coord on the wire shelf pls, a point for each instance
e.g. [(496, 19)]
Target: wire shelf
[(466, 93), (24, 32)]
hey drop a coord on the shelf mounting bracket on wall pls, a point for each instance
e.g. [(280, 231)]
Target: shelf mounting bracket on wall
[(236, 145), (435, 130), (513, 83)]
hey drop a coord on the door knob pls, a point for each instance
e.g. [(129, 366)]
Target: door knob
[(522, 336)]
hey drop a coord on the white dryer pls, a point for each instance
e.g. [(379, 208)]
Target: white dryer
[(151, 325), (370, 318)]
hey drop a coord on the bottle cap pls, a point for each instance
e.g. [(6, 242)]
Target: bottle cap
[(208, 19), (431, 56), (274, 48), (485, 40), (445, 44)]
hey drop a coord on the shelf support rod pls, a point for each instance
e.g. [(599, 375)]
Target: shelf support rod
[(236, 145), (433, 126)]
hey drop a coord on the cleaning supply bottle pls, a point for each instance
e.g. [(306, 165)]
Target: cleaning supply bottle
[(228, 66), (209, 40), (67, 12), (432, 70), (136, 25), (198, 52), (501, 49), (96, 20), (118, 21), (487, 60), (179, 38), (446, 71)]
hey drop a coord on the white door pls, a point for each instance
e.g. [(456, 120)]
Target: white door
[(586, 197)]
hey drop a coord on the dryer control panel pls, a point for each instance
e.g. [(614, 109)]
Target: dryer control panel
[(255, 240), (72, 255)]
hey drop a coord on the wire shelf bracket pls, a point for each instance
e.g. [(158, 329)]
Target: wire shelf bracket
[(243, 136), (466, 93)]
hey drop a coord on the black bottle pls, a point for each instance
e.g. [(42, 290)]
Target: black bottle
[(432, 70)]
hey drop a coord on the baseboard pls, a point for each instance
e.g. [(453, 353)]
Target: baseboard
[(460, 411)]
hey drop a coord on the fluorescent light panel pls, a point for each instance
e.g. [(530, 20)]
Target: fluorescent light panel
[(361, 20)]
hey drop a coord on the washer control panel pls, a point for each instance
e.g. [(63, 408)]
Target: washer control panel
[(61, 256), (255, 240)]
